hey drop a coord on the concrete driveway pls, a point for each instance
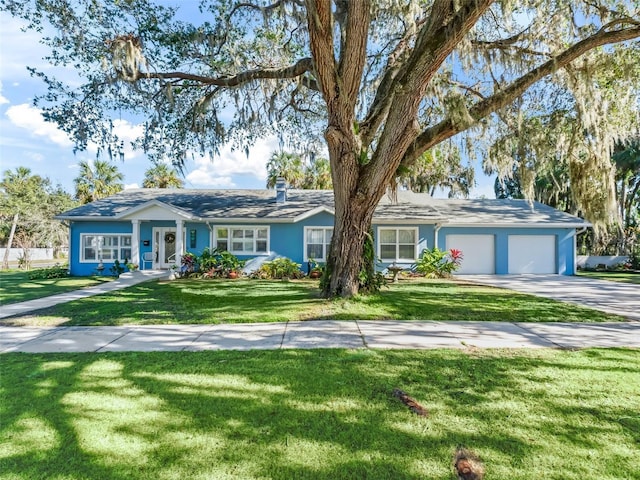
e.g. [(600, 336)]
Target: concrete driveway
[(611, 297)]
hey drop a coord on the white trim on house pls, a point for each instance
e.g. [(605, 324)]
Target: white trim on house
[(397, 258), (325, 244), (229, 238), (129, 213), (311, 213), (516, 225)]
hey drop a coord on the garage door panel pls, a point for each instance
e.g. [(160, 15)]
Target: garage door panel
[(532, 254), (478, 252)]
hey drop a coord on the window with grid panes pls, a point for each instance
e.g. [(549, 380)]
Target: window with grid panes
[(317, 242), (396, 244), (108, 248)]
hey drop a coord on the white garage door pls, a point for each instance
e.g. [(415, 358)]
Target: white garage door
[(478, 250), (532, 254)]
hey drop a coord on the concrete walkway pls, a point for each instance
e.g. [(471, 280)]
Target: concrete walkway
[(125, 280), (319, 334), (611, 297)]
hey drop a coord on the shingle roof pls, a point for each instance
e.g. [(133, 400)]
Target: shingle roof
[(260, 205)]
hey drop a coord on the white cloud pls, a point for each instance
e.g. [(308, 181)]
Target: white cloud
[(127, 132), (131, 185), (219, 171), (200, 178), (30, 118)]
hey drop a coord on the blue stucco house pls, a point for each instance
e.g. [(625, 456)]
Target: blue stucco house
[(154, 227)]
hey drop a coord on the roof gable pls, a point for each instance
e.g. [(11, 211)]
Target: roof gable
[(154, 210)]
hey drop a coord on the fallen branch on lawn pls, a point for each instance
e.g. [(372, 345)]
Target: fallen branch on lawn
[(414, 406)]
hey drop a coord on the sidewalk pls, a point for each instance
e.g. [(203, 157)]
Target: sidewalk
[(319, 334), (125, 280)]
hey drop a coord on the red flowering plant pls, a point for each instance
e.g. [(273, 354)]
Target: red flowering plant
[(456, 257)]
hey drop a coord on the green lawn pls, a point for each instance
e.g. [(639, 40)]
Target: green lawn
[(625, 277), (319, 414), (212, 301), (15, 286)]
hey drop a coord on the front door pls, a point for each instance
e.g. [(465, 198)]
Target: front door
[(164, 246)]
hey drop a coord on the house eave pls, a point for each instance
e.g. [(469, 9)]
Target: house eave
[(517, 225)]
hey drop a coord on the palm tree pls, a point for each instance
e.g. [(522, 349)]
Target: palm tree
[(317, 176), (160, 175), (286, 165), (99, 181)]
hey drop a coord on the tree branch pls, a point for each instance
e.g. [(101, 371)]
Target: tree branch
[(320, 22), (384, 94), (435, 42), (353, 52), (446, 128), (301, 67)]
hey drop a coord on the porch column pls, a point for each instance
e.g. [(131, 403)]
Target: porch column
[(179, 242), (135, 242)]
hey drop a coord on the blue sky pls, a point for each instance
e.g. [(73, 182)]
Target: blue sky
[(27, 140)]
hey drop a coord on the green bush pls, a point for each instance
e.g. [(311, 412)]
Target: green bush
[(217, 263), (279, 268), (436, 263), (57, 271), (117, 268)]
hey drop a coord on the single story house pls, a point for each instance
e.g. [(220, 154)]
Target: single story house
[(154, 227)]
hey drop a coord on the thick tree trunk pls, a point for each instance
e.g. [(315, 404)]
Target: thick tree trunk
[(5, 260), (353, 215)]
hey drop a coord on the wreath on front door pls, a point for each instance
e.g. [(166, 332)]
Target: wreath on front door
[(170, 237)]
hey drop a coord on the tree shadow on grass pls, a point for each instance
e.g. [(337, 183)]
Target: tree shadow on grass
[(191, 302), (299, 414), (461, 302), (244, 301)]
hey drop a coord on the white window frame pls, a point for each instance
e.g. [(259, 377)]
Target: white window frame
[(98, 251), (255, 228), (397, 257), (325, 246)]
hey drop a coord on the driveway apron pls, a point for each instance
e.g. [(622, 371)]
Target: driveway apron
[(612, 297)]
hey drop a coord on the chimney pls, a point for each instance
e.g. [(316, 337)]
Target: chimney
[(281, 190)]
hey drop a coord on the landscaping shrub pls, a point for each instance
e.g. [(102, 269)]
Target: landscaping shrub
[(57, 271), (279, 268), (439, 263), (208, 260), (117, 269), (214, 263)]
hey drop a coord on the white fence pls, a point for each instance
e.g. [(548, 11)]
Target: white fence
[(34, 254), (593, 261)]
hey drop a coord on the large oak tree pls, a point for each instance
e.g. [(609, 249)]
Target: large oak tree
[(382, 81)]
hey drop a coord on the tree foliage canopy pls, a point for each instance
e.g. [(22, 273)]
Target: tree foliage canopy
[(312, 175), (97, 180), (28, 203), (382, 81), (161, 175)]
